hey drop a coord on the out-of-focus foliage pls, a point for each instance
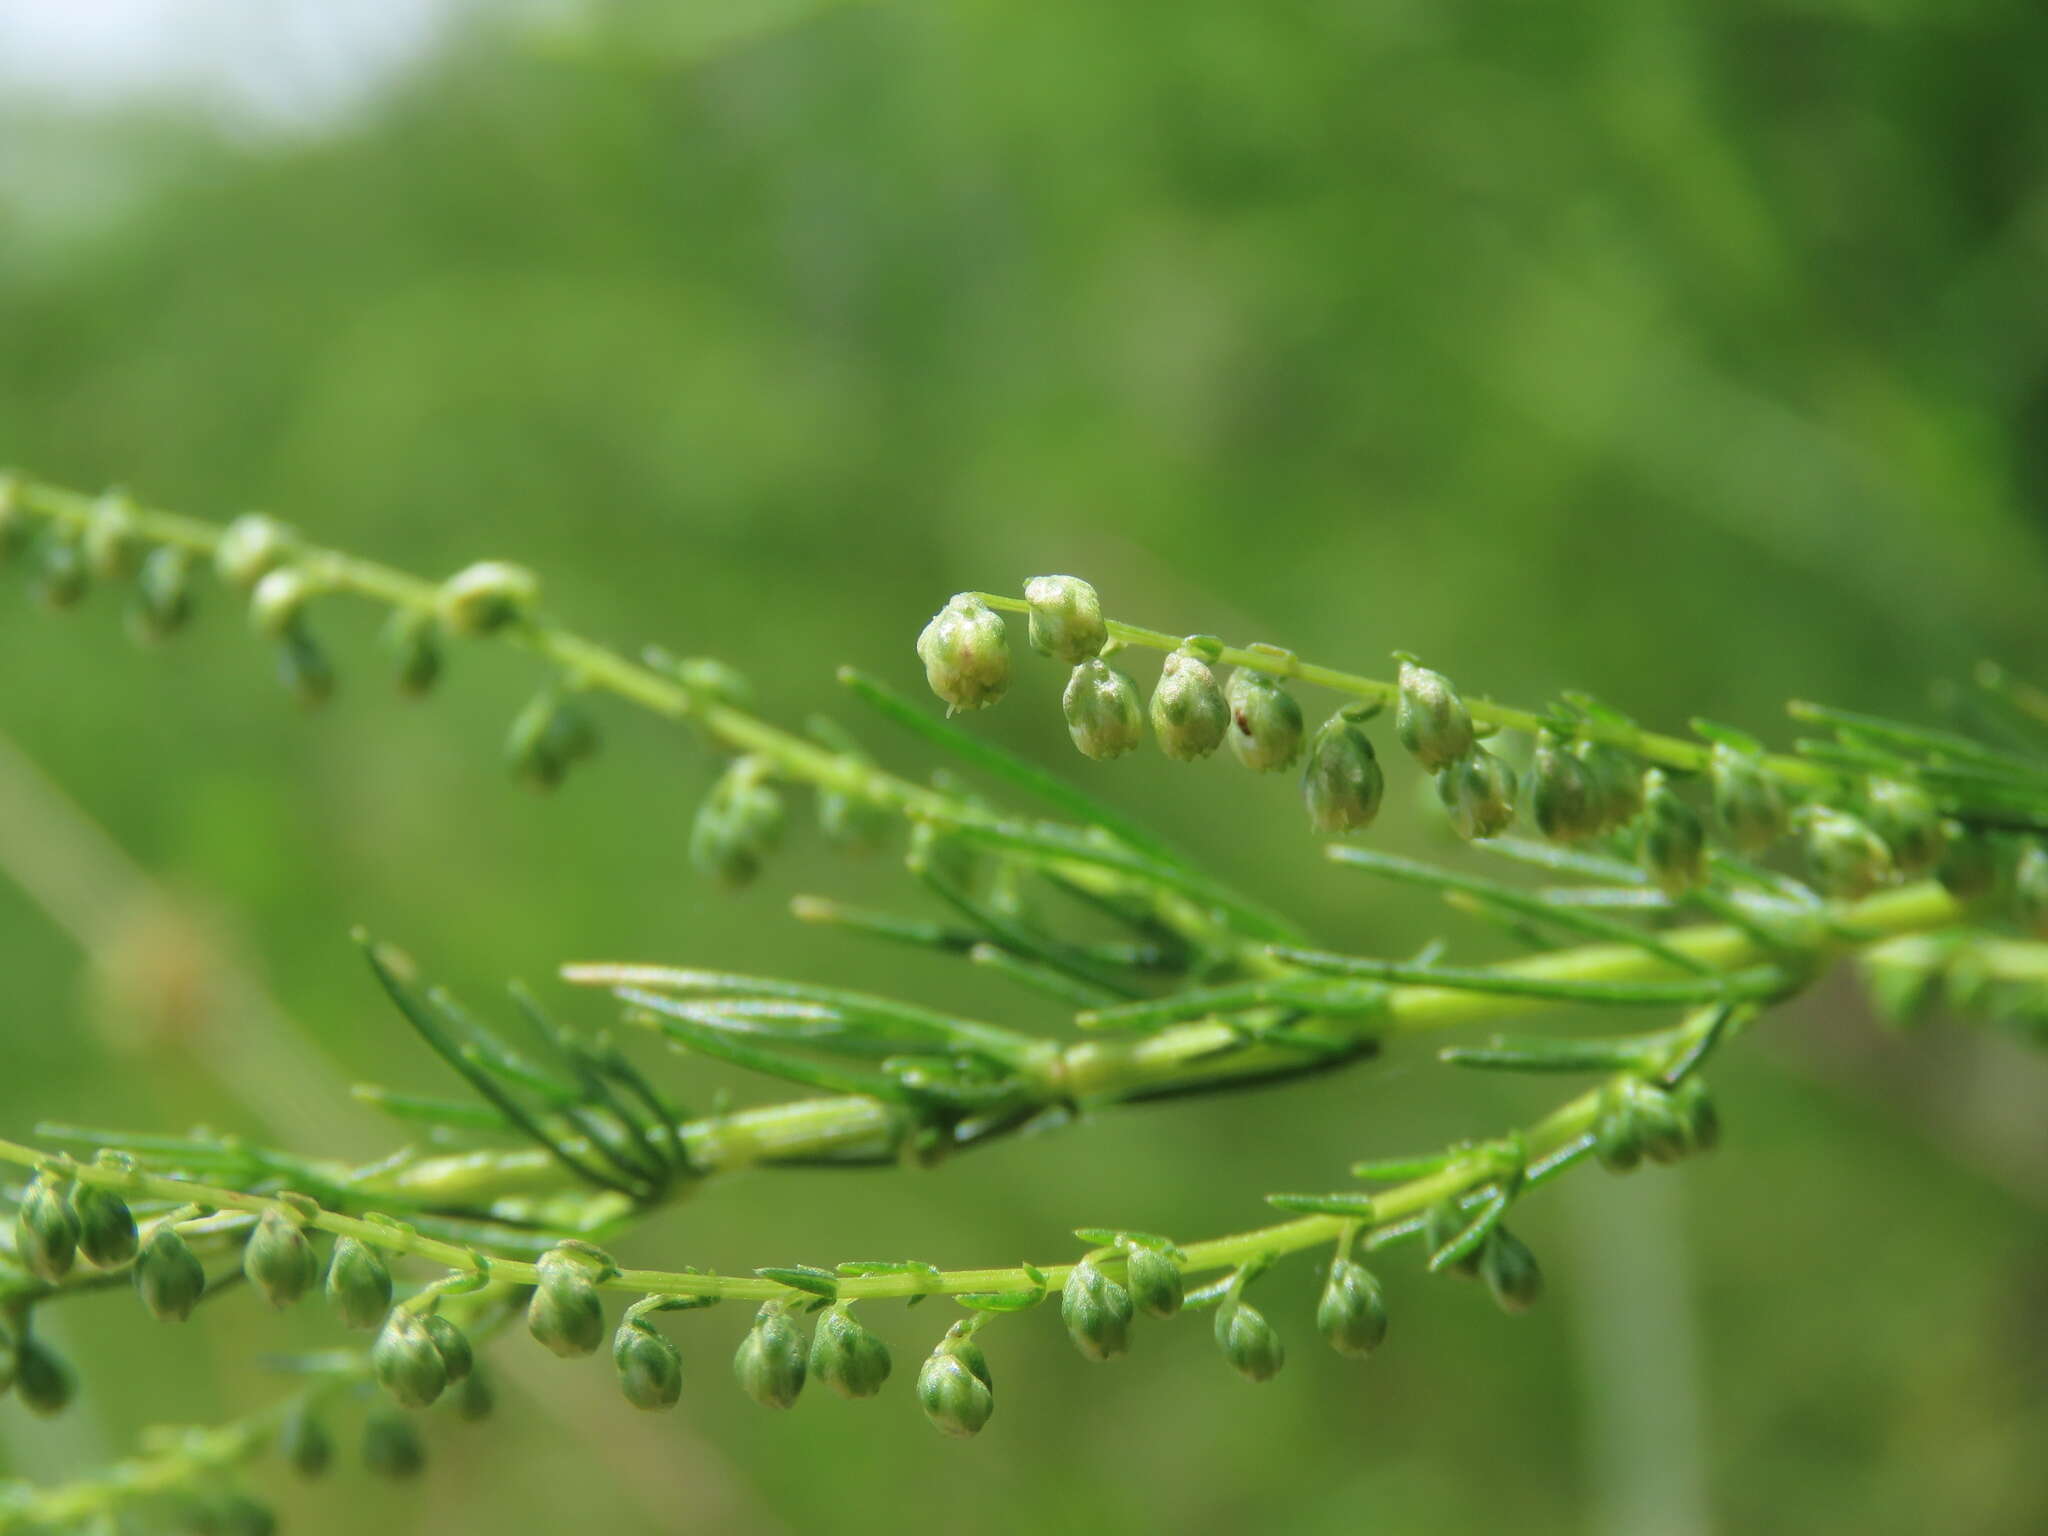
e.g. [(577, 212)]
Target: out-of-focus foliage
[(1693, 355)]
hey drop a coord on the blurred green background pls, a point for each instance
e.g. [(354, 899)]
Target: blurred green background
[(1694, 355)]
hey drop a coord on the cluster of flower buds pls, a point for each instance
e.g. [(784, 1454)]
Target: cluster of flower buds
[(1639, 1119), (1475, 787), (1497, 1257), (419, 1354)]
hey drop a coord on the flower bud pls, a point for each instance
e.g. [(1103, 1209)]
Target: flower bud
[(163, 594), (46, 1230), (62, 581), (1698, 1119), (2030, 887), (1748, 805), (391, 1445), (1097, 1312), (1658, 1124), (1440, 1228), (739, 824), (1342, 783), (1352, 1315), (1510, 1271), (850, 1359), (1563, 798), (1248, 1341), (1478, 791), (474, 1398), (278, 605), (452, 1344), (304, 670), (1103, 715), (250, 548), (412, 639), (566, 1312), (1845, 857), (650, 1370), (954, 1389), (483, 598), (113, 538), (278, 1260), (1155, 1282), (549, 734), (42, 1380), (303, 1441), (966, 653), (770, 1363), (1189, 715), (1911, 827), (1617, 1135), (1265, 722), (106, 1227), (1617, 779), (1430, 719), (168, 1278), (1674, 843), (406, 1361), (1066, 618), (358, 1284)]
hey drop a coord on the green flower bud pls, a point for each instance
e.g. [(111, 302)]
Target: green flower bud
[(1478, 792), (1674, 844), (163, 594), (1189, 715), (954, 1389), (2030, 887), (42, 1381), (566, 1313), (278, 605), (304, 670), (1248, 1341), (1563, 797), (1697, 1118), (106, 1227), (412, 638), (548, 735), (1617, 1134), (739, 824), (850, 1359), (240, 1515), (650, 1370), (391, 1445), (46, 1230), (1658, 1124), (1845, 857), (168, 1278), (1510, 1271), (406, 1361), (1430, 719), (1155, 1282), (1097, 1312), (1103, 715), (113, 538), (251, 547), (1748, 805), (1066, 618), (483, 598), (1440, 1228), (1342, 782), (1617, 782), (452, 1344), (358, 1284), (62, 581), (1911, 827), (474, 1399), (278, 1260), (966, 653), (770, 1363), (303, 1441), (1265, 721), (1352, 1315), (1969, 866)]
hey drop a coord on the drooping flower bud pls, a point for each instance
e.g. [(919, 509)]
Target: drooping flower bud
[(650, 1370), (1845, 857), (1617, 1137), (391, 1445), (1265, 721), (1674, 843), (850, 1359), (1154, 1281), (1097, 1312), (1748, 805), (1342, 782), (412, 639), (163, 594), (113, 538), (303, 1441), (966, 653), (106, 1227), (483, 598), (304, 670), (62, 580), (1564, 800), (566, 1312), (406, 1361), (1617, 779), (1430, 719), (739, 824), (1189, 714), (2030, 887), (1103, 714), (954, 1388), (1352, 1315), (770, 1363), (1248, 1341), (1510, 1271), (358, 1284), (168, 1277), (1478, 792), (452, 1344), (1066, 618), (278, 605), (42, 1380), (46, 1230), (547, 736), (278, 1259), (1904, 816), (251, 547)]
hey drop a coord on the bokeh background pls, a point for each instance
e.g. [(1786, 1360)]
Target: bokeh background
[(1694, 355)]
